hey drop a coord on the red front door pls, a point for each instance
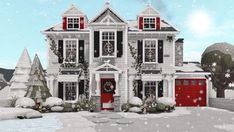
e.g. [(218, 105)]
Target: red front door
[(190, 92), (107, 92)]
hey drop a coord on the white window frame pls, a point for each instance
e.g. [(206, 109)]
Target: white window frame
[(73, 23), (115, 43), (64, 49), (149, 23), (156, 51), (64, 92), (156, 89)]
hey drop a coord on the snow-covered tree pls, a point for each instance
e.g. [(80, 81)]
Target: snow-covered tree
[(37, 88), (20, 77), (218, 60)]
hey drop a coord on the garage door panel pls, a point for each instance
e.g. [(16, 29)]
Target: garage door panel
[(191, 94)]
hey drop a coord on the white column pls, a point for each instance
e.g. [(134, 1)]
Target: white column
[(90, 85), (51, 85), (169, 88), (97, 78), (165, 88), (117, 84), (173, 88), (131, 79)]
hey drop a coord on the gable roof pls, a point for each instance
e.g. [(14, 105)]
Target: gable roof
[(149, 11), (107, 11), (73, 10), (107, 67)]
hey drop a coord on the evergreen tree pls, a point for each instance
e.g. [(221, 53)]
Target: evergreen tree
[(37, 88)]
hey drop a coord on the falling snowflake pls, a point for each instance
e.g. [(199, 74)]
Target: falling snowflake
[(214, 64), (227, 75)]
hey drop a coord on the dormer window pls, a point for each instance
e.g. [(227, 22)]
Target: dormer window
[(73, 23), (149, 23)]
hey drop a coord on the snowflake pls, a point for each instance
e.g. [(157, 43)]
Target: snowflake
[(227, 75), (214, 64)]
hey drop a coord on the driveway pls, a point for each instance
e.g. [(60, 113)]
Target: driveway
[(189, 120)]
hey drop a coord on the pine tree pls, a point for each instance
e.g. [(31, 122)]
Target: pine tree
[(37, 88), (20, 77)]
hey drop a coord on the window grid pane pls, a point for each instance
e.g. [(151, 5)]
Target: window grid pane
[(71, 50), (70, 91), (108, 43), (150, 51)]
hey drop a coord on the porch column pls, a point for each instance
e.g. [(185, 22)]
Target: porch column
[(169, 88), (131, 78), (51, 88), (165, 88), (117, 84), (97, 78)]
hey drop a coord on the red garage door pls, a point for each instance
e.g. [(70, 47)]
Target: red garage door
[(190, 92)]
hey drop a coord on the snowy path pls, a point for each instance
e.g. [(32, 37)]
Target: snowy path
[(200, 120)]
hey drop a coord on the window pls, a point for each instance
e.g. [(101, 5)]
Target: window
[(149, 89), (201, 82), (70, 91), (73, 23), (193, 82), (149, 23), (150, 51), (71, 50), (178, 82), (108, 44), (185, 82)]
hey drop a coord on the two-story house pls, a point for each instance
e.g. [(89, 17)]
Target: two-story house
[(108, 43)]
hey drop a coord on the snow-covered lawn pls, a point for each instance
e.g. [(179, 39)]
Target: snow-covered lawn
[(181, 120)]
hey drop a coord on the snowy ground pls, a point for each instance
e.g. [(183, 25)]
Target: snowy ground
[(182, 120)]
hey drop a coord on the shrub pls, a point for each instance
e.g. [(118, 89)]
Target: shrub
[(168, 102), (67, 107), (125, 107), (53, 101), (85, 104), (25, 102), (135, 102), (161, 107), (150, 105)]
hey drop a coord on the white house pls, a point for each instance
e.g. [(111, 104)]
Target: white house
[(104, 42)]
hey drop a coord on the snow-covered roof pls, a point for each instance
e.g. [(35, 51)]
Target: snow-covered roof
[(149, 11), (24, 61), (189, 67), (73, 11)]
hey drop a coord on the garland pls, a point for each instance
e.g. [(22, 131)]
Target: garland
[(83, 66)]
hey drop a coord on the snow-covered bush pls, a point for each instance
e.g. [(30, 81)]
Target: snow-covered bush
[(167, 101), (53, 101), (25, 102), (32, 115), (57, 108), (68, 107), (135, 109), (85, 104), (135, 101), (150, 105), (125, 107)]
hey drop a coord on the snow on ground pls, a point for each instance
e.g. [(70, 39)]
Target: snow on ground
[(5, 93), (45, 124), (12, 113), (226, 127), (178, 112), (75, 122)]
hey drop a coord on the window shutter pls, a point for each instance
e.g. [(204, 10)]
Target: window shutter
[(158, 23), (60, 90), (119, 43), (140, 22), (139, 89), (96, 43), (81, 87), (60, 50), (81, 51), (139, 51), (160, 89), (64, 23), (160, 51), (81, 22)]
